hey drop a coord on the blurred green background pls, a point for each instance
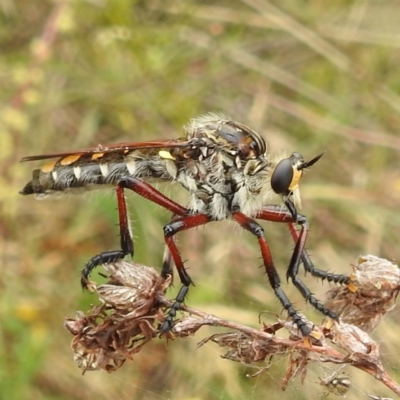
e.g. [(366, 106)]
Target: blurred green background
[(310, 76)]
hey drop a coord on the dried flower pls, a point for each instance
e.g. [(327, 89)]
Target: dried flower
[(374, 287), (133, 306), (129, 317)]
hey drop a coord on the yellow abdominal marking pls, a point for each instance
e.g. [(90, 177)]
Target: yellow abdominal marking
[(70, 159), (96, 156), (49, 166), (166, 155)]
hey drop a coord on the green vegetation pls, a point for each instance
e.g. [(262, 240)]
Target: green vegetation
[(310, 76)]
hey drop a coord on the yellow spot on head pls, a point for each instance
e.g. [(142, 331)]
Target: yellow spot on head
[(296, 179), (70, 159)]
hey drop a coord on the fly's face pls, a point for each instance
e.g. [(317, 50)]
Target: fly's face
[(288, 172), (286, 176)]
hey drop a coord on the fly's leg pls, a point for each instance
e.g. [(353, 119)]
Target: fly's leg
[(143, 189), (177, 225), (306, 260), (274, 280), (276, 214), (167, 264)]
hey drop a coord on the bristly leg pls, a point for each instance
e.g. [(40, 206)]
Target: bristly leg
[(143, 189), (309, 266), (276, 214), (177, 225), (275, 282), (293, 270), (181, 220), (167, 264)]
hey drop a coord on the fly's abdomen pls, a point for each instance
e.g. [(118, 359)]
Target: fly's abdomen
[(90, 170)]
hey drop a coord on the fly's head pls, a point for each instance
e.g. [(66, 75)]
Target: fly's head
[(286, 177)]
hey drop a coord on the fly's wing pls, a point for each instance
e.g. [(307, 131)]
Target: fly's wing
[(103, 165), (113, 148)]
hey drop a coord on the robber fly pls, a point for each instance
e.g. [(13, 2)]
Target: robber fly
[(229, 174)]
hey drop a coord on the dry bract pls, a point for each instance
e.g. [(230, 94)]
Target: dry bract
[(353, 339), (133, 308), (110, 333), (375, 284)]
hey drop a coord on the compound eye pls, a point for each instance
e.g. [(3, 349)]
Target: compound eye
[(282, 176)]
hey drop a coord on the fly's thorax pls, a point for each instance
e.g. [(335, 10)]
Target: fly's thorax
[(235, 167), (195, 125), (230, 137), (229, 184)]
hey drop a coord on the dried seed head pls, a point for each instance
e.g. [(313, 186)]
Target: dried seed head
[(372, 292), (133, 288), (133, 305), (354, 340), (110, 333)]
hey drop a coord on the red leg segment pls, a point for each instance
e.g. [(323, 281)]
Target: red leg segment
[(177, 225), (276, 214), (143, 189), (255, 228)]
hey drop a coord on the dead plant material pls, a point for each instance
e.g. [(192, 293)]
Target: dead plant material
[(133, 308), (128, 317), (374, 287)]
